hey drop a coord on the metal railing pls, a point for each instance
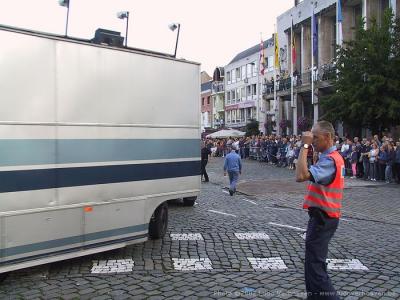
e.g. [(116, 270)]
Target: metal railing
[(326, 72)]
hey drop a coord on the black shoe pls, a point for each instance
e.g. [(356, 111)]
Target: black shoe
[(231, 192), (207, 180)]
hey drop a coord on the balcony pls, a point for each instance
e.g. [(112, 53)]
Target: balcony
[(217, 87), (301, 83)]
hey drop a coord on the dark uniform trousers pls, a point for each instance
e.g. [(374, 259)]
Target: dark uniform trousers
[(320, 230), (203, 169)]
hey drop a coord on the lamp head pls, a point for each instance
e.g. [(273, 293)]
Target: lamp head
[(122, 14), (64, 3), (173, 26)]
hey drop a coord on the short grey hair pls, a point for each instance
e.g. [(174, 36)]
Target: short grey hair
[(326, 127)]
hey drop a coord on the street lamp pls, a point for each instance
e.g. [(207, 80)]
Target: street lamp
[(174, 26), (65, 3), (124, 15)]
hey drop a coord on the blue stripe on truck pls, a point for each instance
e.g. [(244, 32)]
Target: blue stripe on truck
[(72, 240), (19, 152), (26, 180)]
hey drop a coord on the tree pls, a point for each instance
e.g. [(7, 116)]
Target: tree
[(252, 128), (368, 82)]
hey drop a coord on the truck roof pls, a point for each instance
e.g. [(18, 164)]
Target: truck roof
[(90, 43)]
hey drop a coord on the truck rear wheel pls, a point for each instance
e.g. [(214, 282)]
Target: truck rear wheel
[(189, 201), (159, 222)]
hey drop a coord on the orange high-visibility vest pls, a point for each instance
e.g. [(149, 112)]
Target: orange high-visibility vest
[(328, 197)]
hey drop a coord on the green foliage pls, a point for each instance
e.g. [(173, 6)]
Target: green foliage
[(368, 82), (252, 128)]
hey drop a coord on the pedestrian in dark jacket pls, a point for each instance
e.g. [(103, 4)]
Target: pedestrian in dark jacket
[(205, 153), (391, 156), (397, 162), (382, 160), (354, 160)]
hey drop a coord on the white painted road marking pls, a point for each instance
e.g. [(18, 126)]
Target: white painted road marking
[(286, 226), (186, 236), (192, 264), (252, 202), (252, 236), (270, 263), (222, 213), (112, 266), (345, 264)]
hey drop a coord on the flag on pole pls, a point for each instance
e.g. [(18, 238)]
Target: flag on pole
[(315, 36), (293, 47), (276, 45), (262, 58), (339, 23)]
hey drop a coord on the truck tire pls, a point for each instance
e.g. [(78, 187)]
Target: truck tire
[(159, 222), (190, 201)]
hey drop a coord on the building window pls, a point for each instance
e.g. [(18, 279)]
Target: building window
[(238, 94), (255, 70), (208, 100), (238, 115), (248, 90), (243, 93), (228, 77), (202, 101), (254, 89), (238, 76), (249, 70), (233, 77), (248, 113), (228, 97), (243, 72), (242, 115), (270, 63)]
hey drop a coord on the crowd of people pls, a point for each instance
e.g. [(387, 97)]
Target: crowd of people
[(372, 158)]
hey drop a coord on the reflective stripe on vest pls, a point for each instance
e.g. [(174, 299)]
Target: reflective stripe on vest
[(328, 197)]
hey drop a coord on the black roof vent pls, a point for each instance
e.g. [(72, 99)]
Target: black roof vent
[(108, 37)]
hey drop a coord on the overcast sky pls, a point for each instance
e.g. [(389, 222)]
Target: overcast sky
[(212, 31)]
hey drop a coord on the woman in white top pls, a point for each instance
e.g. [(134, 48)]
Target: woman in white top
[(373, 154)]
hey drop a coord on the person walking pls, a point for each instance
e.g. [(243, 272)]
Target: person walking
[(397, 162), (323, 200), (232, 167), (205, 153)]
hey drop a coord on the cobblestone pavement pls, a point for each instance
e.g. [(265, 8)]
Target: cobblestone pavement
[(249, 246)]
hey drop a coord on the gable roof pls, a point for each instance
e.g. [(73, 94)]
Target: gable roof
[(268, 43), (206, 86)]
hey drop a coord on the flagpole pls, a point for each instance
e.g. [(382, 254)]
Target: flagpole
[(291, 64), (312, 54), (275, 83), (258, 85), (294, 105)]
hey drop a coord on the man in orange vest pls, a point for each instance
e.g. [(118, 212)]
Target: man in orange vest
[(323, 200)]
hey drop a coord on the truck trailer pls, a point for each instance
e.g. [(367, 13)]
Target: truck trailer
[(94, 140)]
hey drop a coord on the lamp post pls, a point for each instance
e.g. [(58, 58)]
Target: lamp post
[(125, 15), (172, 27), (65, 3)]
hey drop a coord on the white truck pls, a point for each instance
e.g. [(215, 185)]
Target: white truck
[(94, 140)]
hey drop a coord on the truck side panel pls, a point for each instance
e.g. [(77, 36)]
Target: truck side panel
[(92, 140)]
